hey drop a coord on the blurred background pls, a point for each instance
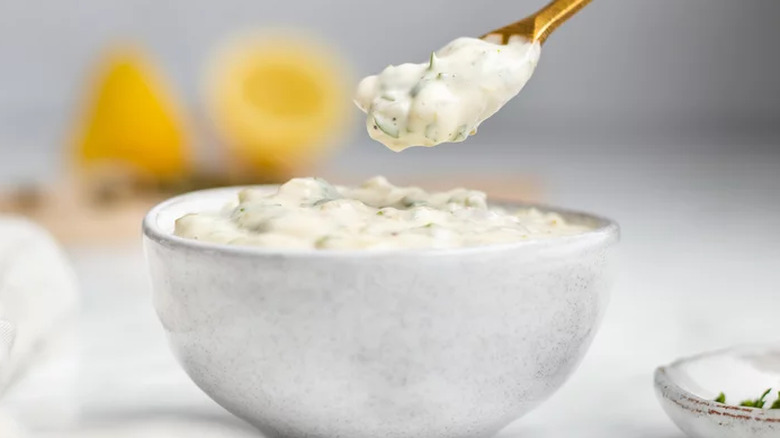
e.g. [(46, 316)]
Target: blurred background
[(663, 115)]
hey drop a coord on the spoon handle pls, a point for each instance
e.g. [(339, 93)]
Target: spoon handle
[(538, 26)]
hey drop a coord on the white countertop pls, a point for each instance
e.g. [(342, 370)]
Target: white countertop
[(699, 270)]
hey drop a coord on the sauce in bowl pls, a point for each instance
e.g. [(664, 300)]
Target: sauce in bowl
[(311, 213)]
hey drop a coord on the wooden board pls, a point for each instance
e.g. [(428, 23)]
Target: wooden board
[(76, 217)]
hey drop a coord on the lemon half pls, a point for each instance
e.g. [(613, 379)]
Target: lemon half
[(278, 102)]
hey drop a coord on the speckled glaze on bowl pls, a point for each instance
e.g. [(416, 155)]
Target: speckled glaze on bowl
[(377, 344), (687, 387)]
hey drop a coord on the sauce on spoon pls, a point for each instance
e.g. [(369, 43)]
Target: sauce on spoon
[(448, 97)]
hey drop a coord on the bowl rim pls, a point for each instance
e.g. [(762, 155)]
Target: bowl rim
[(607, 231), (668, 389)]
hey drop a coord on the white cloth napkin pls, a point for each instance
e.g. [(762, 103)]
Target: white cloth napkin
[(38, 302), (8, 427), (7, 336)]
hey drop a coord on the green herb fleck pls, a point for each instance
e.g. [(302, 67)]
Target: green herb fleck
[(385, 127), (322, 201), (721, 398), (412, 203), (387, 97), (407, 201), (242, 209), (776, 404), (433, 58), (757, 403), (380, 213), (429, 225), (763, 397), (416, 89), (461, 134), (320, 243), (431, 131)]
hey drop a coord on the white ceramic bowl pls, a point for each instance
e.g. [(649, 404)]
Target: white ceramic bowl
[(390, 344), (687, 387)]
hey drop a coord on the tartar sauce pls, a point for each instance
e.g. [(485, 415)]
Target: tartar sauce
[(446, 98), (311, 213)]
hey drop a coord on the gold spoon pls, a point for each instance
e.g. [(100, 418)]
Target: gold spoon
[(537, 27)]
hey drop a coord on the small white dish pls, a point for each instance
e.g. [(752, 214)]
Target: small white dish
[(688, 387)]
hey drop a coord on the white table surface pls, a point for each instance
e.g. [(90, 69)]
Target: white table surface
[(700, 269)]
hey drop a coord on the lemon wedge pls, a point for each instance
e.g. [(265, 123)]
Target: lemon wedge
[(131, 120)]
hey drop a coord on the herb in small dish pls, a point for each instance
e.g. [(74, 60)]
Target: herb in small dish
[(757, 403)]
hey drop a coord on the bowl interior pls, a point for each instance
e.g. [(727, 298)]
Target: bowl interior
[(164, 216), (740, 373)]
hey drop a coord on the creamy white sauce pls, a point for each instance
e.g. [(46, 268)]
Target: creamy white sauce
[(445, 99), (311, 213)]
